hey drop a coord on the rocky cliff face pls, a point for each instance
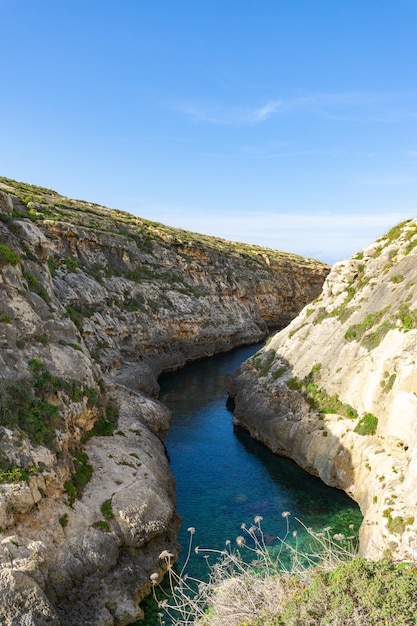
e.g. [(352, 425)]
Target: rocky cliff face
[(94, 305), (337, 389)]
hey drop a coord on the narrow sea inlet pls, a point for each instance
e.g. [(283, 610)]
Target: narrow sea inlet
[(225, 478)]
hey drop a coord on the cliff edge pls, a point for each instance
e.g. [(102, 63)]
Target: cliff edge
[(337, 389), (94, 305)]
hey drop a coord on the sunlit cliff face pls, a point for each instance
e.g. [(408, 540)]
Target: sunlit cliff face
[(94, 305), (336, 390)]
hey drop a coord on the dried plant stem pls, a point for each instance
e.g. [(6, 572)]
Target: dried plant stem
[(251, 581)]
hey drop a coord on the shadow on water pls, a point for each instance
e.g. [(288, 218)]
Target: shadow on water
[(224, 477)]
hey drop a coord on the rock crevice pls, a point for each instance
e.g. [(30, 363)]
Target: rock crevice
[(94, 305), (336, 390)]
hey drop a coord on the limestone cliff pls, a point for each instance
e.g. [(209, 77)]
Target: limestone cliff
[(94, 305), (337, 389)]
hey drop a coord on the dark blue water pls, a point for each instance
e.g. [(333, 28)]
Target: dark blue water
[(224, 478)]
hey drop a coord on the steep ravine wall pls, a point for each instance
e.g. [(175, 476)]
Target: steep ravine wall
[(94, 305), (337, 389)]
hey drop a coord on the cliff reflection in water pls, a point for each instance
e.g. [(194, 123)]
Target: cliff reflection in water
[(225, 478)]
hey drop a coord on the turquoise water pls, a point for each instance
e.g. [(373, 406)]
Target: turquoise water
[(224, 478)]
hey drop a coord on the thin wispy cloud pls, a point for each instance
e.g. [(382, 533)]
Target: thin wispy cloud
[(213, 114), (271, 107), (327, 236), (339, 106)]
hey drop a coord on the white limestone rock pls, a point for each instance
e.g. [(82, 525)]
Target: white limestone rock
[(358, 342)]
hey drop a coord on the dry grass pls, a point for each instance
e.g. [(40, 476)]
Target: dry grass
[(249, 584)]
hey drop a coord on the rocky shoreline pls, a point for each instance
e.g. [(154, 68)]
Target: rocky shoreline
[(94, 305), (336, 390)]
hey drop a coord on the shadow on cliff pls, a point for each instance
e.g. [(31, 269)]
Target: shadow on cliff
[(292, 419), (309, 495)]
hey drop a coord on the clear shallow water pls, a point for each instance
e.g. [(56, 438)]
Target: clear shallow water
[(224, 478)]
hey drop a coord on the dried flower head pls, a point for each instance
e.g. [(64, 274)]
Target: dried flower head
[(286, 514), (191, 530), (165, 554), (154, 578), (258, 519), (240, 540)]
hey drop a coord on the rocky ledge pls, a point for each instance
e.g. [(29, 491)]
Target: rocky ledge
[(337, 389), (94, 305)]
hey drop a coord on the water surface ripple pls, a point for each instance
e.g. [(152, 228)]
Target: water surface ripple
[(225, 478)]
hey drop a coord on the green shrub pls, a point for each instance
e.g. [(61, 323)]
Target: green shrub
[(398, 524), (80, 478), (53, 265), (76, 317), (279, 372), (102, 525), (25, 404), (252, 592), (294, 384), (92, 395), (35, 286), (63, 520), (107, 509), (266, 363), (106, 423), (356, 331), (373, 339), (71, 491), (43, 339), (411, 246), (397, 278), (388, 385), (318, 398), (367, 425), (407, 316), (376, 592), (36, 417), (394, 232), (75, 346), (341, 590), (14, 475), (7, 256), (351, 412), (71, 264)]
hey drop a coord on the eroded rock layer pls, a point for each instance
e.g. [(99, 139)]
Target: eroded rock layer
[(337, 389), (94, 305)]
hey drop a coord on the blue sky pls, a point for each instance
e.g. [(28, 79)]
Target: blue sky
[(287, 123)]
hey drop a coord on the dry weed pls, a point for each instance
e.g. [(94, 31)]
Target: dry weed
[(249, 584)]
